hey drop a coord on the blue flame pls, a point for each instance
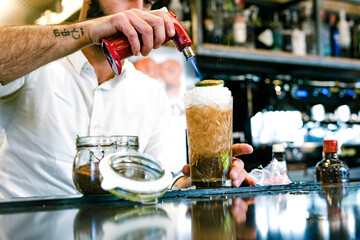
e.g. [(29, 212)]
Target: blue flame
[(192, 60)]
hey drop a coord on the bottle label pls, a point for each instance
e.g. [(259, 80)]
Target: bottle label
[(266, 37)]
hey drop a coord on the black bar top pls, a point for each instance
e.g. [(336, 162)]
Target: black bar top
[(295, 211)]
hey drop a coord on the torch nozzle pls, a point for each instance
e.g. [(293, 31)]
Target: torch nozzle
[(188, 53)]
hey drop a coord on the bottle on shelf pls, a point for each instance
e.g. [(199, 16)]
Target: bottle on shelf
[(277, 30), (297, 36), (228, 9), (256, 25), (250, 29), (239, 25), (331, 169), (334, 37), (308, 26), (344, 34), (354, 39), (358, 40), (214, 22), (209, 25), (287, 47), (325, 35), (239, 29)]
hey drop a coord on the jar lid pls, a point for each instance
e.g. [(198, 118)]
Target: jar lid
[(107, 141), (134, 176)]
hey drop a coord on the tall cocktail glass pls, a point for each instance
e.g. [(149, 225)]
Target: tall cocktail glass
[(209, 111)]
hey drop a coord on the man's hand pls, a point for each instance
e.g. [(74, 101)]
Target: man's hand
[(237, 173), (145, 30), (35, 46)]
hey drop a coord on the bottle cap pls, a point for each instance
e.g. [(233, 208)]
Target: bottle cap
[(278, 147), (330, 146)]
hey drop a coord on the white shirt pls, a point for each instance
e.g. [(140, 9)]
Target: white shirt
[(43, 112)]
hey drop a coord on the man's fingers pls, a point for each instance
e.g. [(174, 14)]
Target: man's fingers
[(249, 180), (241, 148), (237, 173), (169, 24), (151, 26), (124, 25), (241, 177), (144, 27), (157, 26)]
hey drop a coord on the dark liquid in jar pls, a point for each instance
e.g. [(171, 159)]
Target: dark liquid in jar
[(87, 179)]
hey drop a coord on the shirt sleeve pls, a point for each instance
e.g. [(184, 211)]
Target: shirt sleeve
[(159, 144), (11, 87)]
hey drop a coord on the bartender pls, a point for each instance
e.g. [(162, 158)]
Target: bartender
[(56, 84)]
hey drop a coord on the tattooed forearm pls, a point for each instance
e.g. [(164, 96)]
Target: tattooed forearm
[(35, 46), (75, 33)]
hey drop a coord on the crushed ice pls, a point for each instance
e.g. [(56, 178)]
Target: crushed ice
[(217, 96)]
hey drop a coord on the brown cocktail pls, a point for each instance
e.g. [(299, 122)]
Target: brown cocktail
[(209, 111)]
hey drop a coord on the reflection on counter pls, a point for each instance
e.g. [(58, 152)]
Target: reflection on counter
[(220, 219), (38, 225), (148, 222), (329, 212)]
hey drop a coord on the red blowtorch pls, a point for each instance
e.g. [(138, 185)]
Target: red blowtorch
[(119, 48)]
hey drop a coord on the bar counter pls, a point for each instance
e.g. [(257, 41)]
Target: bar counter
[(295, 211)]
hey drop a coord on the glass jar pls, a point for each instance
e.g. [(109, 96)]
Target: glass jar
[(90, 151)]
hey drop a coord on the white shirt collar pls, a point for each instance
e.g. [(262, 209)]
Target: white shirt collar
[(78, 60)]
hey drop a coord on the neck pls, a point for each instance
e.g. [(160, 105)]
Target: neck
[(331, 155), (97, 59)]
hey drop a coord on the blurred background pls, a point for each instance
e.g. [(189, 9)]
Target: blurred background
[(291, 83), (28, 11)]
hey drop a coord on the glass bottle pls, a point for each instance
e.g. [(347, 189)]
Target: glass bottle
[(298, 40), (344, 34), (252, 25), (325, 33), (278, 153), (218, 19), (287, 45), (334, 37), (354, 39), (239, 24), (239, 29), (277, 29), (331, 169), (308, 26), (358, 40)]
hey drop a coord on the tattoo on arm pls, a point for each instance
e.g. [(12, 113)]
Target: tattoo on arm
[(75, 34)]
